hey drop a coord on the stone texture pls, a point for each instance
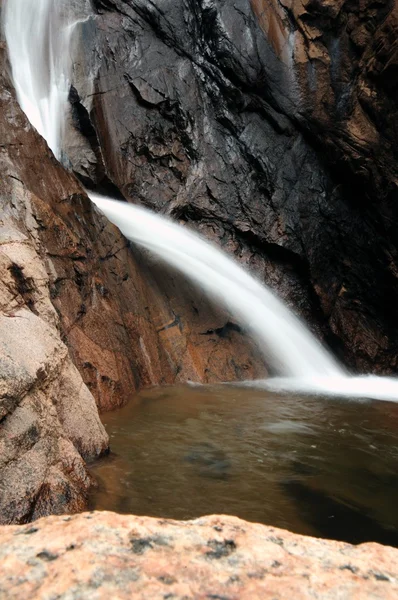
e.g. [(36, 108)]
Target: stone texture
[(103, 555), (270, 126), (128, 321), (48, 418)]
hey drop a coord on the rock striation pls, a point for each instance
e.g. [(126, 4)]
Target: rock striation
[(103, 555), (49, 420)]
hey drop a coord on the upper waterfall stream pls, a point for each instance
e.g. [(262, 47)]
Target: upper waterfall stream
[(39, 35)]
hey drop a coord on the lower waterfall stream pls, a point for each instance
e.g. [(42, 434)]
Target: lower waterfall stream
[(303, 364)]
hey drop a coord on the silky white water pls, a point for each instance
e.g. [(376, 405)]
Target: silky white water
[(286, 342), (38, 35)]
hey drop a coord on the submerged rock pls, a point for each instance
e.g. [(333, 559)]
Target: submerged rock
[(104, 555), (209, 461)]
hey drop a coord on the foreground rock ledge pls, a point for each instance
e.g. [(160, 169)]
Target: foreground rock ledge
[(105, 555)]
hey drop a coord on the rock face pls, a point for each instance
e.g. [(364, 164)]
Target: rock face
[(127, 320), (103, 555), (48, 418), (270, 126)]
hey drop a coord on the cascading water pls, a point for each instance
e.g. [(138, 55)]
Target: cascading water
[(287, 343), (38, 35)]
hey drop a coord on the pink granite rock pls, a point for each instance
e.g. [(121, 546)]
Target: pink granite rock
[(102, 556)]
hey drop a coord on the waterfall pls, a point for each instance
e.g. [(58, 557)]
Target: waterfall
[(38, 35)]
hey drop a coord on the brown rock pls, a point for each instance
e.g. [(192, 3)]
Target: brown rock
[(104, 555), (47, 414), (48, 418)]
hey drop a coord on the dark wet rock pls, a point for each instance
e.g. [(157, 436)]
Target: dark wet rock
[(268, 126), (271, 128)]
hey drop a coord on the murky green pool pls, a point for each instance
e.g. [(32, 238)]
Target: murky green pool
[(315, 466)]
